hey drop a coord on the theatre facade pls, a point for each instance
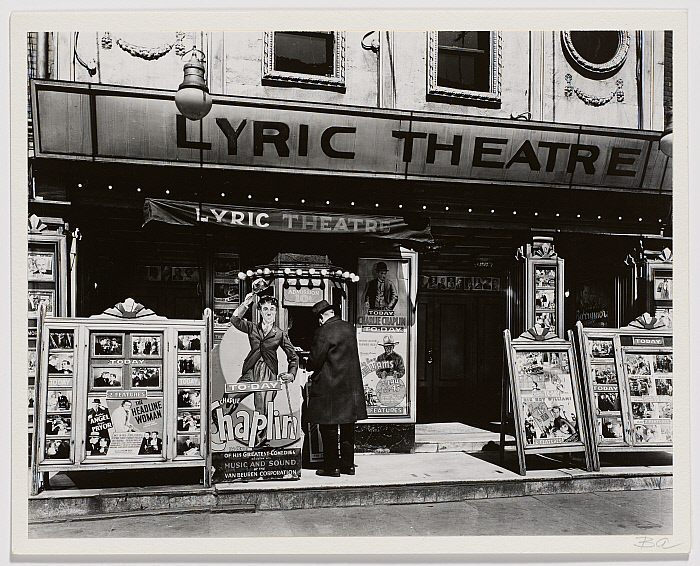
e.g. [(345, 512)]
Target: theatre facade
[(437, 188)]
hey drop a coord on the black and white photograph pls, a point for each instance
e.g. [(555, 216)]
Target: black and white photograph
[(107, 345), (145, 376), (640, 386), (605, 374), (36, 298), (602, 349), (106, 377), (189, 398), (61, 363), (189, 363), (368, 225), (58, 425), (188, 342), (59, 400), (188, 445), (146, 346), (40, 266), (188, 421), (227, 292), (61, 340)]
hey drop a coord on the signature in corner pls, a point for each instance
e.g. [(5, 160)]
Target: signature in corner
[(662, 543)]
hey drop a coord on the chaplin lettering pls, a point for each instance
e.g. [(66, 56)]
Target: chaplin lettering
[(283, 140)]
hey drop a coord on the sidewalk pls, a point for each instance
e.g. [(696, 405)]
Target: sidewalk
[(381, 479)]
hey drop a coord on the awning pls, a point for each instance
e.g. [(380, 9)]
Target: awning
[(282, 220)]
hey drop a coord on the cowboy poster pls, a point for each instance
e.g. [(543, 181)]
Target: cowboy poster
[(255, 426), (382, 336)]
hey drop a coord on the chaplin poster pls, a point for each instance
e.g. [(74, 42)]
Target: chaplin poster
[(256, 425)]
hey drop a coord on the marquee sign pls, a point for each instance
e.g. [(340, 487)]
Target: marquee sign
[(106, 123), (276, 219)]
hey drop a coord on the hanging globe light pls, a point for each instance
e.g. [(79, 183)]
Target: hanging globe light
[(192, 97)]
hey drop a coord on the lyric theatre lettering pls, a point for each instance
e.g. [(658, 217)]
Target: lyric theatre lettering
[(268, 137)]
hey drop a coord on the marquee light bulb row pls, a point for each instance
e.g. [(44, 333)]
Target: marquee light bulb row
[(288, 272), (400, 205)]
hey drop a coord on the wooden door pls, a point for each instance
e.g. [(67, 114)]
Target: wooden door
[(460, 351)]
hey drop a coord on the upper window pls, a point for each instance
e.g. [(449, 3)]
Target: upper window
[(304, 57), (596, 53), (465, 65)]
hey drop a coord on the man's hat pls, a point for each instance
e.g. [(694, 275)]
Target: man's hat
[(95, 400), (387, 341), (381, 266), (321, 307)]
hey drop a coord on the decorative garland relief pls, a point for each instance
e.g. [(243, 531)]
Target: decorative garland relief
[(143, 52), (589, 99)]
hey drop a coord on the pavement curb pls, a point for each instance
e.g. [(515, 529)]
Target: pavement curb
[(66, 506)]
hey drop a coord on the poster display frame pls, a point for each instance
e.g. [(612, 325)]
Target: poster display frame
[(535, 290), (542, 341), (79, 385), (648, 336), (410, 259)]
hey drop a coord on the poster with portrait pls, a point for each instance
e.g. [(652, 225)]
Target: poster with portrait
[(650, 378), (40, 266), (383, 335), (36, 298), (122, 425), (594, 303), (663, 288), (255, 428)]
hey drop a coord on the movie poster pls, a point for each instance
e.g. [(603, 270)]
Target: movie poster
[(607, 404), (255, 432), (594, 303), (383, 337), (547, 396), (124, 425), (650, 378)]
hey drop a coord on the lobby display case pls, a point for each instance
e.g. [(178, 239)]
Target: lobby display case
[(121, 390), (628, 385)]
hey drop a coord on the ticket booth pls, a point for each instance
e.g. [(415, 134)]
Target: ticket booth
[(121, 390)]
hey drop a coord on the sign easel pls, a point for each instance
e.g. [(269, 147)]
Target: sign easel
[(542, 378)]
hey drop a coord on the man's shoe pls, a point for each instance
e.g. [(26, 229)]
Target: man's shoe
[(349, 471), (330, 473)]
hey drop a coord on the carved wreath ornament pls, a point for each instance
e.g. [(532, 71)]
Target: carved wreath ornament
[(144, 52), (590, 100)]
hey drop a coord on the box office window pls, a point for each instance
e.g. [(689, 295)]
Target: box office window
[(465, 65), (312, 58)]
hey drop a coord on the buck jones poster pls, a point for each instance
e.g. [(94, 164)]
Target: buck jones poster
[(382, 335), (251, 443)]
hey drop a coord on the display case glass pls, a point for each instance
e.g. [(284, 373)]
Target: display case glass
[(628, 378), (120, 393)]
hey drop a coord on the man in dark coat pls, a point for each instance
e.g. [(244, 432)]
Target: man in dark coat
[(336, 391)]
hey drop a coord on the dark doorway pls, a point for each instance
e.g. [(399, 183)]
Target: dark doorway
[(460, 357)]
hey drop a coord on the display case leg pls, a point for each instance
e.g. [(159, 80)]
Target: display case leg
[(45, 481)]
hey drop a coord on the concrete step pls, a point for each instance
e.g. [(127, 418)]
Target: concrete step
[(455, 437)]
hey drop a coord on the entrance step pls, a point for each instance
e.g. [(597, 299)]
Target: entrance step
[(456, 437)]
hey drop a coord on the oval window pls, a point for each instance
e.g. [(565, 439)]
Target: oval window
[(597, 53)]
